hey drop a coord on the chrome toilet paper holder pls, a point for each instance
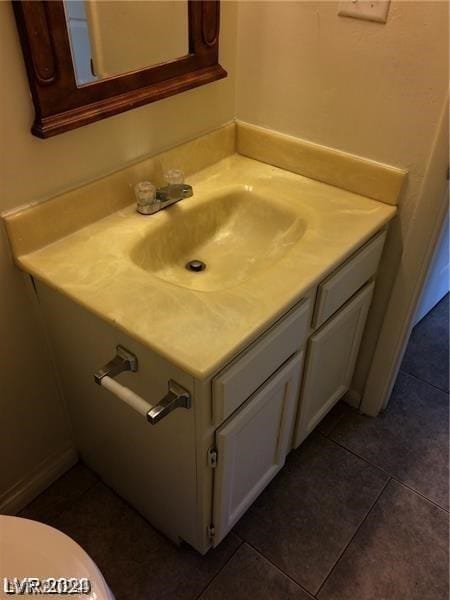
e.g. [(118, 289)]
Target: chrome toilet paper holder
[(176, 397), (123, 361)]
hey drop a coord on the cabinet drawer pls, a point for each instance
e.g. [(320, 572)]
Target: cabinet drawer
[(347, 280), (238, 381)]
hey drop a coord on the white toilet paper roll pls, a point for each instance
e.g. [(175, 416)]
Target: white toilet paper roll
[(127, 395)]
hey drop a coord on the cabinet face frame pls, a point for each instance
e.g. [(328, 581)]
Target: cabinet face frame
[(60, 105)]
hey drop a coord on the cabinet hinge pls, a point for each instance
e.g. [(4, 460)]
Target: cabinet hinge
[(211, 532), (212, 458)]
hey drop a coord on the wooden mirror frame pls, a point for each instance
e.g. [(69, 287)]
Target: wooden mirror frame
[(60, 105)]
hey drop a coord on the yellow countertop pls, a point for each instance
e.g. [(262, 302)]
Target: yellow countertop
[(199, 330)]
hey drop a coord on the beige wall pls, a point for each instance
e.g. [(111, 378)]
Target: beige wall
[(33, 426), (370, 89), (366, 88)]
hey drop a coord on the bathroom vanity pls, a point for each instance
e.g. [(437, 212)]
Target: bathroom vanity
[(264, 341)]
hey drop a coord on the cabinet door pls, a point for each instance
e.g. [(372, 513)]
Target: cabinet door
[(252, 445), (331, 359)]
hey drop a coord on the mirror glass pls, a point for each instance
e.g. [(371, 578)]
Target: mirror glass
[(113, 37)]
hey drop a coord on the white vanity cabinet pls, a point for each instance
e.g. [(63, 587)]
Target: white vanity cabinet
[(197, 471)]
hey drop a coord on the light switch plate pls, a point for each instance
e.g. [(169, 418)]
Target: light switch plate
[(368, 10)]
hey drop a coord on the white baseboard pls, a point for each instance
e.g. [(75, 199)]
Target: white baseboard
[(26, 489), (353, 398)]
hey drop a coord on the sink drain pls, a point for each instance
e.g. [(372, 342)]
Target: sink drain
[(195, 265)]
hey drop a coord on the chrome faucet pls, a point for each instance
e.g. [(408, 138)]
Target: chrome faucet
[(151, 200)]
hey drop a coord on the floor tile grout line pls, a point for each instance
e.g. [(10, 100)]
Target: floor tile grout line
[(412, 490), (360, 457), (278, 568), (423, 381), (391, 475), (353, 536), (220, 570)]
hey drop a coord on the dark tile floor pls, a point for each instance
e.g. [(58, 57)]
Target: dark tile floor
[(359, 512), (427, 353)]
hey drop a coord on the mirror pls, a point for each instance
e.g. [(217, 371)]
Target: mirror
[(88, 60), (109, 38)]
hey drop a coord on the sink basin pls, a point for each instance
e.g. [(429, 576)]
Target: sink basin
[(235, 233)]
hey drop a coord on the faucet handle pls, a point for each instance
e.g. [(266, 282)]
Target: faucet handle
[(174, 177), (176, 189), (147, 202)]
